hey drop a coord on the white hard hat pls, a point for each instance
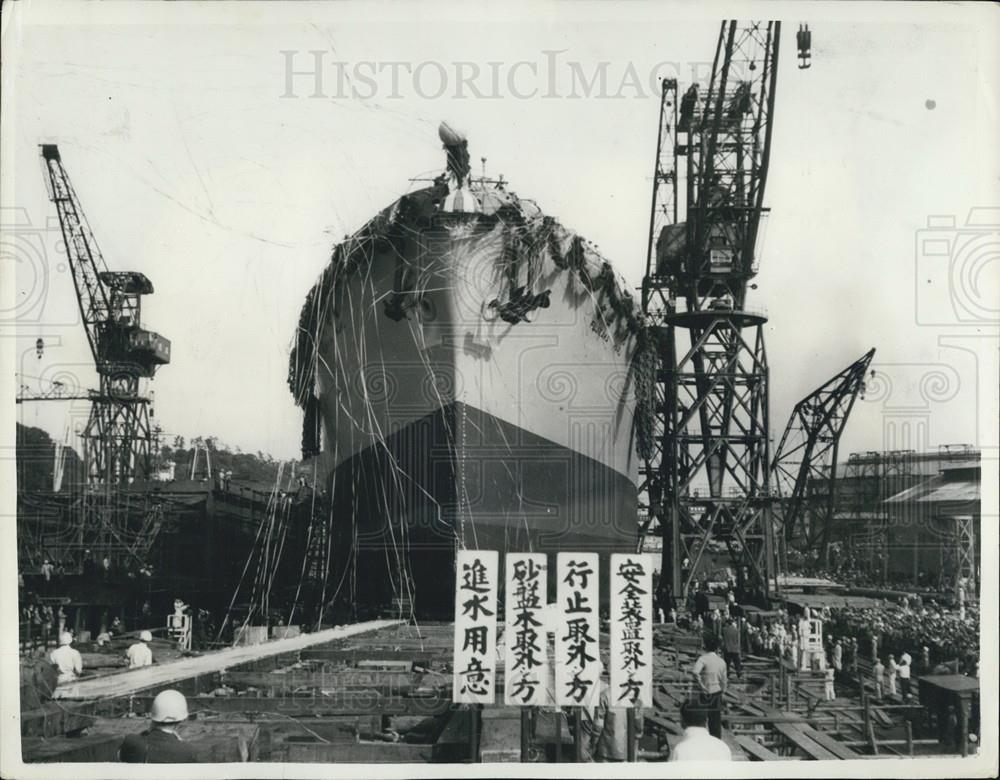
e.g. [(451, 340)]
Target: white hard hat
[(169, 707), (65, 638), (145, 636)]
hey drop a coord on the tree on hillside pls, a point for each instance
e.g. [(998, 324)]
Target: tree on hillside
[(35, 455)]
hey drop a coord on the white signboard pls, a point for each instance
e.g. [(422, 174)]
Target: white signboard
[(525, 665), (477, 575), (631, 660), (578, 664)]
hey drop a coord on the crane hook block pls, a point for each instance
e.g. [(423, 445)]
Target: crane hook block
[(804, 41)]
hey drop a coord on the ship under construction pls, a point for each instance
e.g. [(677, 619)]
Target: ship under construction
[(475, 375)]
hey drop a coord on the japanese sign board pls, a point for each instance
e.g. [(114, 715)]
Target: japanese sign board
[(631, 656), (526, 662), (477, 576), (577, 630)]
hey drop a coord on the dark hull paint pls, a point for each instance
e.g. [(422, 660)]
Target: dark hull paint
[(462, 474)]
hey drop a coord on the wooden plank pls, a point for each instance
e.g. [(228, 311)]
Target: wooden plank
[(758, 752), (668, 725), (362, 752), (753, 709), (353, 656), (795, 735), (883, 719), (839, 749), (136, 680), (301, 679), (734, 747), (342, 728), (386, 666)]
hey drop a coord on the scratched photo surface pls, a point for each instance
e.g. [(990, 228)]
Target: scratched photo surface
[(448, 389)]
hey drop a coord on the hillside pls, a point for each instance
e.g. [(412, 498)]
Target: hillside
[(36, 458)]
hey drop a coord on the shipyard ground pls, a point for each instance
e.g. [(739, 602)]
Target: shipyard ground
[(381, 692)]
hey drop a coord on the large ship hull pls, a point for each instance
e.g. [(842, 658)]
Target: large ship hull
[(447, 421)]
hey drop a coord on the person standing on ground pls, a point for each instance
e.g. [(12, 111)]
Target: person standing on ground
[(67, 659), (878, 672), (891, 670), (160, 744), (698, 744), (829, 694), (837, 657), (48, 621), (47, 571), (905, 662), (609, 730), (731, 647), (139, 654), (701, 604), (712, 677)]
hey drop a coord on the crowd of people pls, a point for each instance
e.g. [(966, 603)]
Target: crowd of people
[(53, 575), (869, 570), (948, 635), (899, 639)]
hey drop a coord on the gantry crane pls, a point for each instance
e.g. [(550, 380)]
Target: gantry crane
[(118, 436), (805, 463), (706, 482)]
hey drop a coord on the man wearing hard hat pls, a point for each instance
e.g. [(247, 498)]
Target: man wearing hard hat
[(160, 744), (139, 654), (66, 659)]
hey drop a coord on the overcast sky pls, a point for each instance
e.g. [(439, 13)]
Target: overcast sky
[(196, 167)]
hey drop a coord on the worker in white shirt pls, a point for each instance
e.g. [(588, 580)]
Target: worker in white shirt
[(139, 654), (712, 676), (66, 659), (891, 669), (697, 744), (837, 657), (905, 662), (829, 694)]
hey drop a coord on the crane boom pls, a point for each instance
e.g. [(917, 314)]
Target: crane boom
[(118, 435), (86, 262), (805, 463)]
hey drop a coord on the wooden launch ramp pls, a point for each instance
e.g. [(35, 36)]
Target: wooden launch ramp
[(136, 680)]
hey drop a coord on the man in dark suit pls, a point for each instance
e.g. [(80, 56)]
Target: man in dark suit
[(160, 744)]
